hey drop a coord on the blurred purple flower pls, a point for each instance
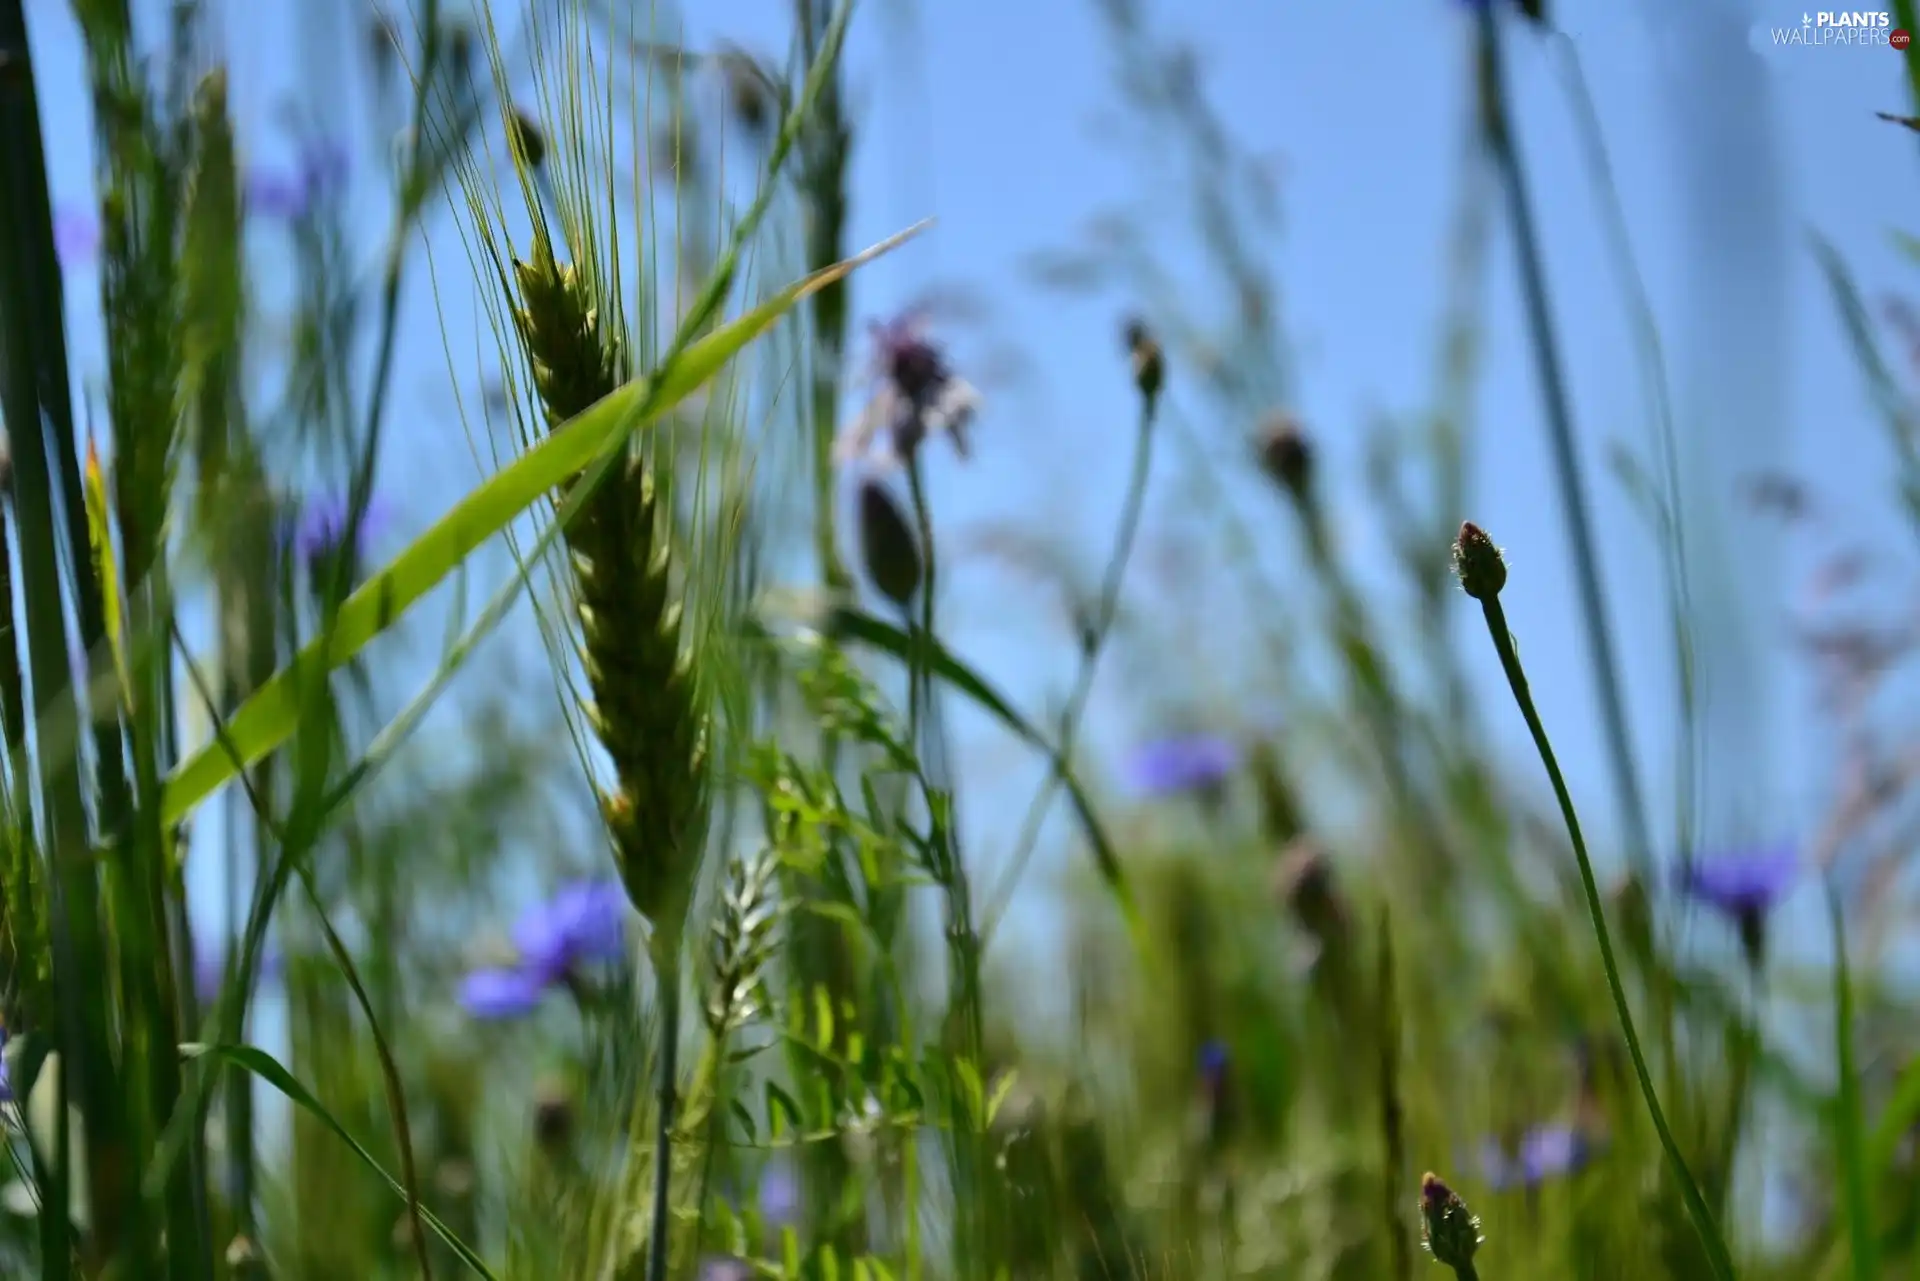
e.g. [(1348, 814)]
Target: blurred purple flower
[(210, 970), (290, 195), (76, 236), (325, 165), (725, 1268), (1742, 885), (1216, 1094), (1187, 763), (501, 994), (1545, 1152), (779, 1193), (586, 921), (321, 525), (918, 396), (6, 1084), (583, 924)]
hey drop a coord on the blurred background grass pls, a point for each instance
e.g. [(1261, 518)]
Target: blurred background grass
[(1361, 949)]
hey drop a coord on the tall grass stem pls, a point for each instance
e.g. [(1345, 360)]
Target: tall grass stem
[(1093, 642)]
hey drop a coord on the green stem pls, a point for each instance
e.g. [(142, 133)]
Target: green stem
[(823, 181), (667, 973), (1566, 459), (1393, 1118), (927, 735), (1093, 643), (1697, 1207)]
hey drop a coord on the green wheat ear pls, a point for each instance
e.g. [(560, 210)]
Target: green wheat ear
[(645, 704)]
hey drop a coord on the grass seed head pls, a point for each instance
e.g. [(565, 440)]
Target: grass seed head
[(646, 708)]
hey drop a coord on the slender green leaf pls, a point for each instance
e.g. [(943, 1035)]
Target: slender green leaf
[(1905, 18), (1901, 1114), (269, 1069)]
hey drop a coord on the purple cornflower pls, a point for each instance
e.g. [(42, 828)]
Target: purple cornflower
[(76, 236), (779, 1193), (1186, 763), (918, 396), (291, 195), (210, 971), (583, 924), (1545, 1152), (1744, 887), (501, 994), (321, 526)]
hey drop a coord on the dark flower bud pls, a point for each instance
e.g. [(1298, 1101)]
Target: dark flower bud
[(1303, 883), (749, 90), (383, 45), (553, 1118), (887, 544), (527, 138), (1149, 364), (1448, 1230), (1286, 455), (460, 50), (1481, 568)]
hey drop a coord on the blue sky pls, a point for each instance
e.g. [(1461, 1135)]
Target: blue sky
[(996, 117)]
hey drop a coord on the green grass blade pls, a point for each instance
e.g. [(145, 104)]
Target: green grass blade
[(1888, 398), (269, 1069), (267, 719), (1848, 1123), (1900, 1116), (1905, 18)]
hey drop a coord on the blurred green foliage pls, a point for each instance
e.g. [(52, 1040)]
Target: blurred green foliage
[(417, 1028)]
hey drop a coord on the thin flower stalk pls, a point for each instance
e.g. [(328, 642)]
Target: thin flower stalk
[(1483, 573), (1149, 371)]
